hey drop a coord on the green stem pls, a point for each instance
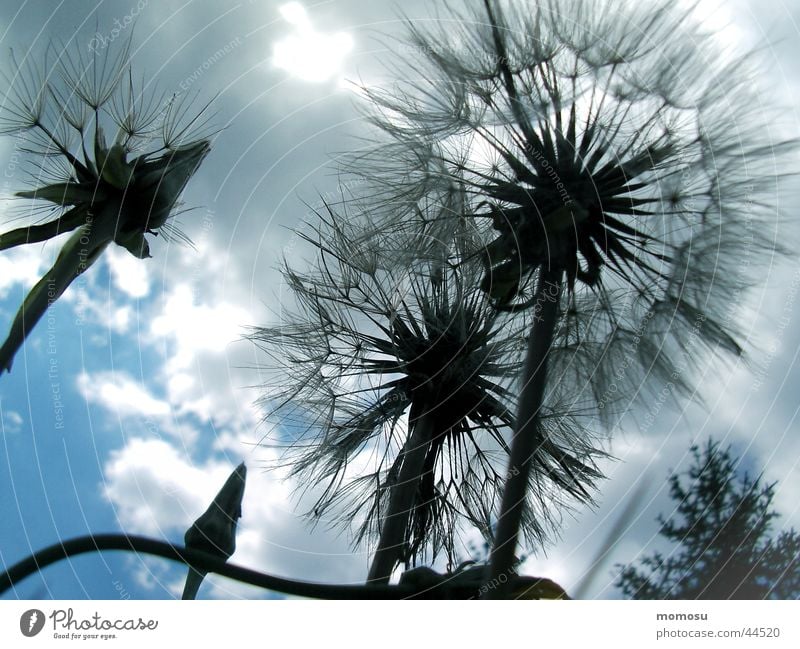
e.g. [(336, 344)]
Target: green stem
[(193, 581), (201, 561), (527, 436), (401, 502)]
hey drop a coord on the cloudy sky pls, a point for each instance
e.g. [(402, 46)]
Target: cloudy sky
[(133, 400)]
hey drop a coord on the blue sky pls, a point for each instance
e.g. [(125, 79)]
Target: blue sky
[(132, 401)]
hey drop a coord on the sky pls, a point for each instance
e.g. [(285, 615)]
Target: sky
[(134, 398)]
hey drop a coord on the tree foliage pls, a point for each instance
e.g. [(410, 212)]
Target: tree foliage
[(721, 528)]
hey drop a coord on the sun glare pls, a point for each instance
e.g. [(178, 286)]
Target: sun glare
[(306, 53)]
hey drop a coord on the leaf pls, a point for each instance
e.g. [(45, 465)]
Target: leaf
[(115, 170), (35, 233), (65, 193), (134, 243)]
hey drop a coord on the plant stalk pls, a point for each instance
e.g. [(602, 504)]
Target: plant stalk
[(401, 502), (526, 440), (202, 561)]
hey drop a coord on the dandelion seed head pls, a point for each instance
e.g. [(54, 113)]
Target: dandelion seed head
[(630, 152), (65, 117), (366, 363)]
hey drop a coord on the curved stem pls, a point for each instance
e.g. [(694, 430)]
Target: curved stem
[(202, 561), (401, 502), (527, 439)]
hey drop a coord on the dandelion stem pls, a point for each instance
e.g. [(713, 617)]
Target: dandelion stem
[(401, 502), (508, 81), (527, 439)]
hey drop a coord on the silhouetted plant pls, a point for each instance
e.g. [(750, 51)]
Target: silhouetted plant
[(721, 530), (612, 158), (104, 193), (395, 382), (215, 531)]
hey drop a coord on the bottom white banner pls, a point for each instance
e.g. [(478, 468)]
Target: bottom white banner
[(553, 624)]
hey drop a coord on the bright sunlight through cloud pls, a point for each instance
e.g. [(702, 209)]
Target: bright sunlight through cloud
[(306, 53)]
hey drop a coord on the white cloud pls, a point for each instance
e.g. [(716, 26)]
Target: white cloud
[(185, 336), (201, 366), (91, 307), (306, 53), (23, 265), (10, 421), (121, 394), (136, 407), (718, 18), (195, 328), (158, 490), (129, 274), (153, 488)]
